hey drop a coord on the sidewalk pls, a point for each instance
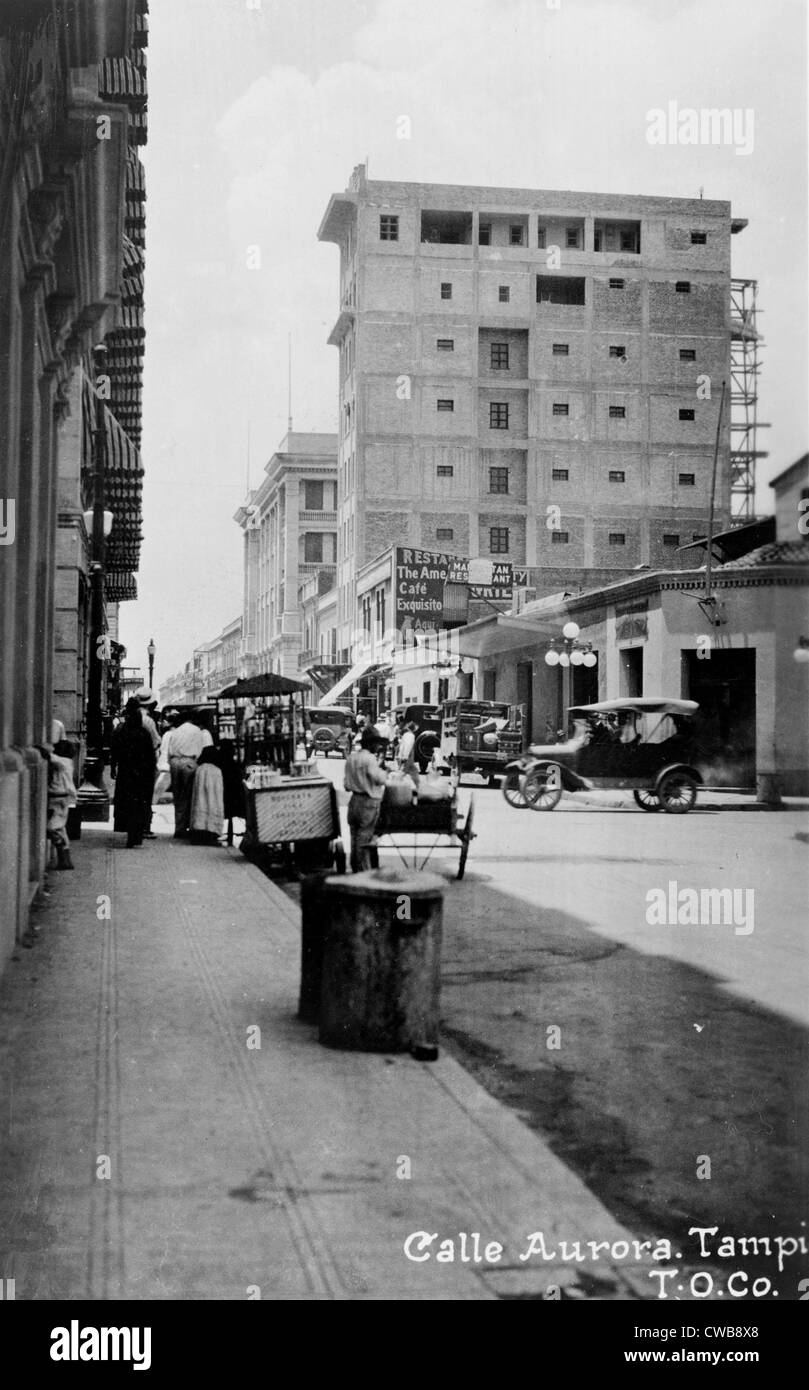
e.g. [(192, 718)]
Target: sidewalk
[(233, 1170)]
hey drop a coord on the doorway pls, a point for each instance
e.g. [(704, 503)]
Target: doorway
[(630, 676), (724, 687)]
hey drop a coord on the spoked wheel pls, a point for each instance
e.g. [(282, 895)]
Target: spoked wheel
[(542, 789), (467, 836), (648, 801), (677, 793), (511, 788)]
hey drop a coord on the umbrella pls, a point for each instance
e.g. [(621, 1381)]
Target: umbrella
[(267, 684)]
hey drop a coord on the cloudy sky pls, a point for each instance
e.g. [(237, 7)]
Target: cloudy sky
[(258, 111)]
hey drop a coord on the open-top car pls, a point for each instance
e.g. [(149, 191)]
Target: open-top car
[(644, 745)]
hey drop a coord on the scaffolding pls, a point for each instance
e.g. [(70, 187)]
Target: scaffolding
[(745, 341)]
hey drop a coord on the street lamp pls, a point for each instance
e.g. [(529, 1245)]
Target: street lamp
[(150, 651)]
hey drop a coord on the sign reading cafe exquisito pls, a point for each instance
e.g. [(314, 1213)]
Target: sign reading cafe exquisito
[(420, 578)]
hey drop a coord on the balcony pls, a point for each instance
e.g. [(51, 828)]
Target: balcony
[(330, 518), (306, 567)]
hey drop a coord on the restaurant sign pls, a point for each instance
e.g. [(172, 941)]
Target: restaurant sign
[(422, 574)]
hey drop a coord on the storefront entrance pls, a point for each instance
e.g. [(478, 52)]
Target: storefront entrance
[(724, 686)]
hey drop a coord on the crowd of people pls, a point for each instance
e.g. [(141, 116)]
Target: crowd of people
[(146, 751)]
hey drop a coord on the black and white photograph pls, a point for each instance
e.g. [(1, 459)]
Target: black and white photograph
[(404, 694)]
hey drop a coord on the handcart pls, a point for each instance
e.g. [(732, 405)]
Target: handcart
[(297, 821), (403, 825)]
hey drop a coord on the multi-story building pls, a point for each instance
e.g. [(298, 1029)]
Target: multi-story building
[(529, 375), (72, 116), (290, 534)]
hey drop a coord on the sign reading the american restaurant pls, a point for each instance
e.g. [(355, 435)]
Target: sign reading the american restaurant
[(422, 574)]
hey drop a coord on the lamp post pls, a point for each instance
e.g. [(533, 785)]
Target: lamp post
[(564, 654), (150, 652)]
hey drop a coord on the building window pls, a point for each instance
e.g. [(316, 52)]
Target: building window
[(313, 496), (444, 470), (443, 689), (499, 361), (313, 548), (400, 694), (485, 234), (617, 475), (498, 415), (560, 289), (688, 354), (616, 284), (618, 350), (670, 539), (446, 289), (561, 349), (515, 234), (686, 479), (699, 238), (560, 537), (617, 412), (561, 408), (572, 238), (498, 540), (388, 227), (490, 684), (617, 538), (687, 415), (541, 237), (504, 293), (444, 533), (682, 286), (444, 405), (445, 344), (560, 475), (498, 480), (425, 692)]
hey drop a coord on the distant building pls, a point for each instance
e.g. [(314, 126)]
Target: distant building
[(529, 375), (290, 534)]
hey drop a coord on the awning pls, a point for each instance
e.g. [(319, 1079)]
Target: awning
[(492, 635), (362, 668), (267, 684)]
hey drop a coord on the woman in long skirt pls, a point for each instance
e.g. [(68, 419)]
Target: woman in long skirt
[(132, 764), (207, 801)]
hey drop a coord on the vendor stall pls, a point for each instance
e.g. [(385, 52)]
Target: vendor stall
[(265, 720)]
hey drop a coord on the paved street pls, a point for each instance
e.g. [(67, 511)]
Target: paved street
[(676, 1042)]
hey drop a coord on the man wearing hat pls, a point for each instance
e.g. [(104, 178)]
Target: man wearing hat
[(148, 704)]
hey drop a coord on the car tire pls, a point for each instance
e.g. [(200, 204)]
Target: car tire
[(677, 793), (647, 800), (538, 795)]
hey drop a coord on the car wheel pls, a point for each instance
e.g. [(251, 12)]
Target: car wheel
[(512, 790), (648, 801), (677, 793), (542, 788)]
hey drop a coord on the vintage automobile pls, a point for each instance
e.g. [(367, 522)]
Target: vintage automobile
[(480, 736), (645, 745), (331, 730)]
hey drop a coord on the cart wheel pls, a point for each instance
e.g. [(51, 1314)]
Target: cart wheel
[(542, 789), (648, 801), (512, 790), (466, 837), (339, 858)]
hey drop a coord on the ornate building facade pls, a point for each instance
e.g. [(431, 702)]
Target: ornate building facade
[(72, 115)]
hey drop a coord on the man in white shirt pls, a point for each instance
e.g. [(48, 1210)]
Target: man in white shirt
[(186, 742), (406, 755)]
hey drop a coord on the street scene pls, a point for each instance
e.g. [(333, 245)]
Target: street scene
[(404, 548)]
